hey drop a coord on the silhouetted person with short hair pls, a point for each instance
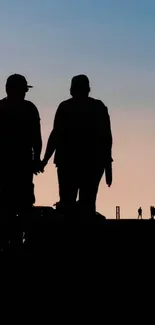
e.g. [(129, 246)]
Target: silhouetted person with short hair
[(20, 143), (82, 142), (140, 213)]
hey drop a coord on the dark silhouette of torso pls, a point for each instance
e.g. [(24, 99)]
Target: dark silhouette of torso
[(17, 127), (83, 134), (17, 121)]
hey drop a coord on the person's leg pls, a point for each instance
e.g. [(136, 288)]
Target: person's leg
[(22, 201), (17, 188), (68, 186), (89, 183), (26, 208), (9, 205)]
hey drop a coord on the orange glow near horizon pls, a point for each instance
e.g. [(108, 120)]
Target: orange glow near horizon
[(133, 167)]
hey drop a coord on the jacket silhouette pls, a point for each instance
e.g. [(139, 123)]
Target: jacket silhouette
[(82, 141), (20, 143)]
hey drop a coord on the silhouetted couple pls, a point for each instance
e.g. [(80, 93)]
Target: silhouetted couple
[(81, 140)]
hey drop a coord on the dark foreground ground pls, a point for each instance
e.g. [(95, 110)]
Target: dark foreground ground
[(53, 234)]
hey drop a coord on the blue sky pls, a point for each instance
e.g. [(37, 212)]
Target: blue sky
[(52, 40), (113, 42)]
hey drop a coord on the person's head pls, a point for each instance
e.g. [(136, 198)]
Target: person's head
[(80, 86), (17, 87)]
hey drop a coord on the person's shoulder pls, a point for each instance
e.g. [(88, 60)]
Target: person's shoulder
[(3, 102), (31, 108), (65, 105), (66, 102), (3, 105), (99, 104), (29, 104)]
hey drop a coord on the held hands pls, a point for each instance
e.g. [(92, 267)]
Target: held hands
[(43, 163), (38, 166)]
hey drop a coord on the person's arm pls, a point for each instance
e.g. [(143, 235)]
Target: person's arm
[(36, 138), (50, 148), (109, 141), (54, 135), (108, 136), (37, 141), (108, 173), (105, 129)]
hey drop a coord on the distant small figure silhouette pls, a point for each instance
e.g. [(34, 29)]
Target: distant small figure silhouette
[(82, 141), (20, 143), (152, 212), (140, 213)]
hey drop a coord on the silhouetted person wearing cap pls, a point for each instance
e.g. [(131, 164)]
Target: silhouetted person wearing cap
[(20, 143), (82, 142)]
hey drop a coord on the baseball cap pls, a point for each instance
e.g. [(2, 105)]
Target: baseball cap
[(17, 80)]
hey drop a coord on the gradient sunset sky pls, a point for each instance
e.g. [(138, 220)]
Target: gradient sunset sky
[(113, 42)]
